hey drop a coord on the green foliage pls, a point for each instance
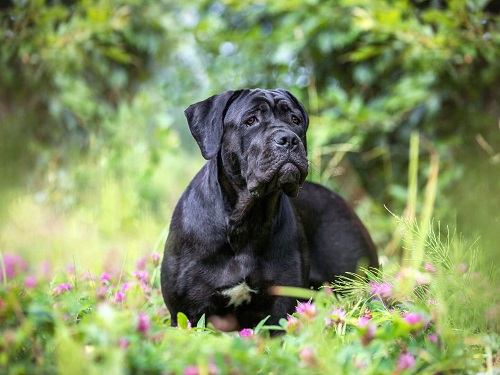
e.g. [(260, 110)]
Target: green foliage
[(107, 77), (84, 325), (94, 152)]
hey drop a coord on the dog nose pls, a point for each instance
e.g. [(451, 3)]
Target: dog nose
[(286, 139)]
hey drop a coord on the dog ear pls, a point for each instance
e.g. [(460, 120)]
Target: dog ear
[(205, 120)]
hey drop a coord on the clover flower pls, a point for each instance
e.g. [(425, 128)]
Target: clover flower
[(292, 324), (382, 289), (142, 276), (123, 343), (306, 309), (359, 363), (191, 370), (14, 265), (462, 268), (429, 267), (121, 294), (367, 329), (246, 333), (62, 288), (105, 278), (70, 269), (433, 338), (155, 258), (143, 323), (30, 281), (405, 361), (141, 264), (414, 320), (338, 315), (45, 269), (308, 357)]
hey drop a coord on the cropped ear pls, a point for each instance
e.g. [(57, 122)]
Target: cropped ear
[(205, 120), (299, 104)]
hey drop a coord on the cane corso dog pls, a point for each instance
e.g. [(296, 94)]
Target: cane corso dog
[(249, 221)]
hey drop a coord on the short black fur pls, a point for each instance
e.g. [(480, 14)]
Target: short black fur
[(249, 217)]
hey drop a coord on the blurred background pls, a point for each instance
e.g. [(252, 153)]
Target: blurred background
[(95, 150)]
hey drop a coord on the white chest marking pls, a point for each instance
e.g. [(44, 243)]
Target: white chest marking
[(238, 294)]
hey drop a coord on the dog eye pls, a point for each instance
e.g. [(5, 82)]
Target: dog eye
[(250, 121), (295, 120)]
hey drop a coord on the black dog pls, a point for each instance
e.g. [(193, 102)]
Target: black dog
[(241, 226)]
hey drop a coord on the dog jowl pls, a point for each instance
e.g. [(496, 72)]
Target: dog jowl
[(249, 221)]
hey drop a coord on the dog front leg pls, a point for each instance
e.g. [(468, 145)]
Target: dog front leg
[(281, 307)]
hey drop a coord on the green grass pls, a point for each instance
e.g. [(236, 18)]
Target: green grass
[(80, 294), (88, 330)]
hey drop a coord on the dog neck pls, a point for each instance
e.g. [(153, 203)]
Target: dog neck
[(248, 218)]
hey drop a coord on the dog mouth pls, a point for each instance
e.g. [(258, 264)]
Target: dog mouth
[(288, 176), (289, 179)]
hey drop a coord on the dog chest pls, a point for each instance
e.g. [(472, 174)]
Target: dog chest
[(239, 294)]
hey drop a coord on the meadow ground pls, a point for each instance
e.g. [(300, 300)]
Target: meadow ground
[(75, 299)]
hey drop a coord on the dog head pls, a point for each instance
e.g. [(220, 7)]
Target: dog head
[(260, 136)]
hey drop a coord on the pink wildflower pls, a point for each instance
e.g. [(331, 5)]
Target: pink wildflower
[(120, 296), (62, 288), (246, 333), (414, 320), (462, 268), (382, 290), (338, 315), (143, 323), (105, 278), (125, 287), (70, 268), (433, 338), (191, 370), (306, 309), (359, 363), (212, 369), (141, 264), (307, 356), (155, 258), (367, 329), (405, 361), (45, 269), (101, 292), (292, 323), (123, 343), (14, 265), (429, 267), (30, 281), (142, 276)]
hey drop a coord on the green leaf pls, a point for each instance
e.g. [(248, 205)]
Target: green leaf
[(201, 322), (283, 322), (261, 324), (291, 291), (182, 320), (272, 328)]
